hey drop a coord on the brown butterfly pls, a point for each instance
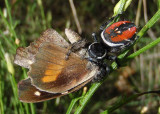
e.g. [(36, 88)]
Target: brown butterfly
[(50, 74)]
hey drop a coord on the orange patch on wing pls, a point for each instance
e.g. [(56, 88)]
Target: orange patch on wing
[(52, 72)]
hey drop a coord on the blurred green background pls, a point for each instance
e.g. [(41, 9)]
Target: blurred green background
[(22, 21)]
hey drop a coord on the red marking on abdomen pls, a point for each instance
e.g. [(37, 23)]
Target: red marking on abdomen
[(114, 25), (125, 35)]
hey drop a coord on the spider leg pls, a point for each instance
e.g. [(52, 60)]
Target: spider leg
[(75, 47), (103, 26), (94, 36)]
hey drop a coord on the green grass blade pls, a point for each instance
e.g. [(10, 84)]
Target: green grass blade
[(73, 102), (10, 19), (87, 97), (142, 50)]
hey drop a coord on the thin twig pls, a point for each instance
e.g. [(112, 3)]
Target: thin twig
[(75, 16), (153, 56), (138, 12), (150, 32), (142, 71)]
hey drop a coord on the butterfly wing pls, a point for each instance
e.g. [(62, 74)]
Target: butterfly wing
[(52, 73), (30, 94), (25, 56)]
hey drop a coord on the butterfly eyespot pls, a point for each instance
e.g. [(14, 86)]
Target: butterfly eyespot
[(37, 93)]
